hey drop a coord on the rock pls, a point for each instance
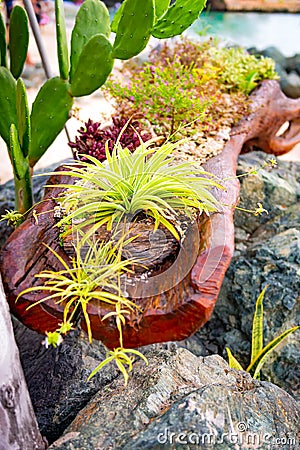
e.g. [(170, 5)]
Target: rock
[(293, 63), (291, 85), (267, 252), (181, 401), (275, 54), (57, 378)]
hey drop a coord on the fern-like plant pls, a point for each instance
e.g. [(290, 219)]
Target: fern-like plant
[(127, 183), (258, 352)]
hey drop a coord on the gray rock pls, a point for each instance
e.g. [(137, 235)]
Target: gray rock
[(57, 378), (180, 401), (291, 84), (267, 252)]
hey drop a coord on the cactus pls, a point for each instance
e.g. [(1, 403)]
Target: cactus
[(61, 38), (134, 28), (3, 56), (161, 7), (18, 40), (178, 17), (8, 111), (23, 117), (50, 112), (94, 66), (19, 162), (92, 18)]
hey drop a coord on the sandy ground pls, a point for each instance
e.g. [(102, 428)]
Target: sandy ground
[(94, 106)]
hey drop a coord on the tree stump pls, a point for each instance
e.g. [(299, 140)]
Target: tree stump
[(177, 300)]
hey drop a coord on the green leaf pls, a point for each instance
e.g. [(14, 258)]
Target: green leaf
[(50, 112), (161, 7), (20, 164), (257, 326), (255, 366), (23, 117), (94, 66), (18, 40), (134, 28), (3, 47), (178, 17), (8, 110), (115, 22), (92, 19), (61, 37), (233, 363)]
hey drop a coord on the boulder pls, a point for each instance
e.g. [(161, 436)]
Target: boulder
[(267, 252), (182, 401)]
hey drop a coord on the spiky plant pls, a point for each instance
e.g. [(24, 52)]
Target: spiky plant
[(127, 183), (258, 352), (96, 276)]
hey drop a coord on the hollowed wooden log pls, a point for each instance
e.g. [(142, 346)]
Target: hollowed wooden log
[(179, 299)]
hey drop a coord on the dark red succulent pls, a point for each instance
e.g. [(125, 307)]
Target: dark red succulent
[(92, 138)]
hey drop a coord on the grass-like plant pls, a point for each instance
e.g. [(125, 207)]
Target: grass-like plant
[(127, 183), (258, 352), (96, 276)]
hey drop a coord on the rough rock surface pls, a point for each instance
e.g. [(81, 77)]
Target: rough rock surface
[(267, 252), (182, 401)]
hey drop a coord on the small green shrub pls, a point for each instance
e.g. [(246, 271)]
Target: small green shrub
[(189, 84)]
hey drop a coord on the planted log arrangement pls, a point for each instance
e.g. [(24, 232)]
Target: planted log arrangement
[(182, 295)]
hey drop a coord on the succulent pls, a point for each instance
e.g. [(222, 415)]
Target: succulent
[(92, 138)]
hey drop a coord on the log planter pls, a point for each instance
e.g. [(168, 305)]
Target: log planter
[(179, 296)]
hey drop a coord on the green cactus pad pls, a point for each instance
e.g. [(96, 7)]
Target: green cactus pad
[(134, 28), (18, 40), (23, 117), (161, 7), (19, 163), (50, 111), (8, 111), (92, 18), (94, 66), (61, 35), (115, 22), (3, 56), (177, 18)]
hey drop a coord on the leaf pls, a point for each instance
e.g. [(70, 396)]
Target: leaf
[(257, 326), (94, 66), (92, 19), (8, 110), (23, 117), (50, 112), (232, 361), (61, 38), (18, 40), (134, 28), (3, 47), (20, 164), (161, 7), (255, 366)]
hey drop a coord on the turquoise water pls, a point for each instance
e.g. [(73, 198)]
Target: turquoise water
[(259, 30)]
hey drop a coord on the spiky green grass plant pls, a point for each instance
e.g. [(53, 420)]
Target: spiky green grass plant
[(127, 183), (258, 352), (94, 277)]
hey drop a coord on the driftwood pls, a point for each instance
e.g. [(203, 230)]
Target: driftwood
[(180, 299), (18, 425)]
